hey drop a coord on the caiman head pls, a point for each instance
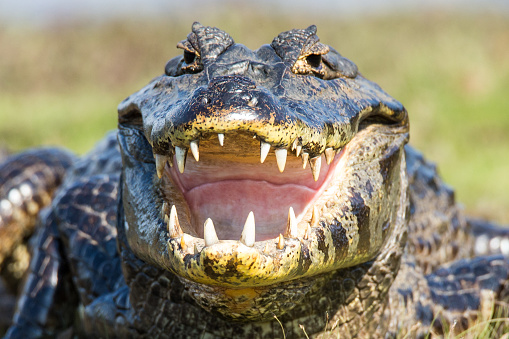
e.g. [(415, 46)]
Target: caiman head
[(248, 172)]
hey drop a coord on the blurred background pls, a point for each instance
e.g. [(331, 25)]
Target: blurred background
[(65, 65)]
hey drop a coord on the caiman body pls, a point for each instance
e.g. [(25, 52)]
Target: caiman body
[(190, 226)]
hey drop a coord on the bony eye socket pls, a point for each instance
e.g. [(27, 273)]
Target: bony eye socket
[(189, 57), (314, 60)]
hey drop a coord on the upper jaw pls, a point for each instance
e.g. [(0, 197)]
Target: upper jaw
[(178, 118)]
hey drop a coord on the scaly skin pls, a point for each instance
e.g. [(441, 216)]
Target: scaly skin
[(27, 183), (146, 241)]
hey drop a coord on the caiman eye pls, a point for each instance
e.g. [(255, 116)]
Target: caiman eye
[(189, 57), (314, 60), (188, 63), (191, 63)]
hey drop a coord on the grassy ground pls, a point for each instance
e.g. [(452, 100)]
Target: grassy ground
[(61, 85)]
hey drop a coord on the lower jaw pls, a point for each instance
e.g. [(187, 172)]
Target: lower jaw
[(260, 304)]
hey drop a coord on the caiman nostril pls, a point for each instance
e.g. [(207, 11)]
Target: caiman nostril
[(252, 102)]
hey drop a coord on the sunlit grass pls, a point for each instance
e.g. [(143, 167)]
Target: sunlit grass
[(76, 120)]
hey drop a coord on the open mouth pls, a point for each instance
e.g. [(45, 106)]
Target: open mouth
[(236, 223), (233, 214), (227, 183)]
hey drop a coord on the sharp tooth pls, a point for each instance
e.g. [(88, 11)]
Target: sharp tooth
[(298, 149), (281, 158), (209, 233), (194, 149), (315, 218), (195, 249), (294, 145), (220, 136), (329, 155), (280, 242), (264, 150), (307, 233), (170, 159), (173, 224), (248, 233), (183, 245), (160, 162), (291, 224), (305, 158), (315, 164), (181, 154), (164, 208)]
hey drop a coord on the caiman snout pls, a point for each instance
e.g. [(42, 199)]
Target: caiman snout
[(234, 99), (226, 104)]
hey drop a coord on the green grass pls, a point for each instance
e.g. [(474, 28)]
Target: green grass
[(76, 120), (61, 85)]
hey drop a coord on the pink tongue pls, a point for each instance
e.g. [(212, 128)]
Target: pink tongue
[(229, 202)]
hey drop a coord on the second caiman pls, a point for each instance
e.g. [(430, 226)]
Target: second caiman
[(250, 194)]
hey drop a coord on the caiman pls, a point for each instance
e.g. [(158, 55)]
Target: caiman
[(247, 194)]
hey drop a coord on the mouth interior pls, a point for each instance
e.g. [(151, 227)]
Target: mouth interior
[(229, 181)]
